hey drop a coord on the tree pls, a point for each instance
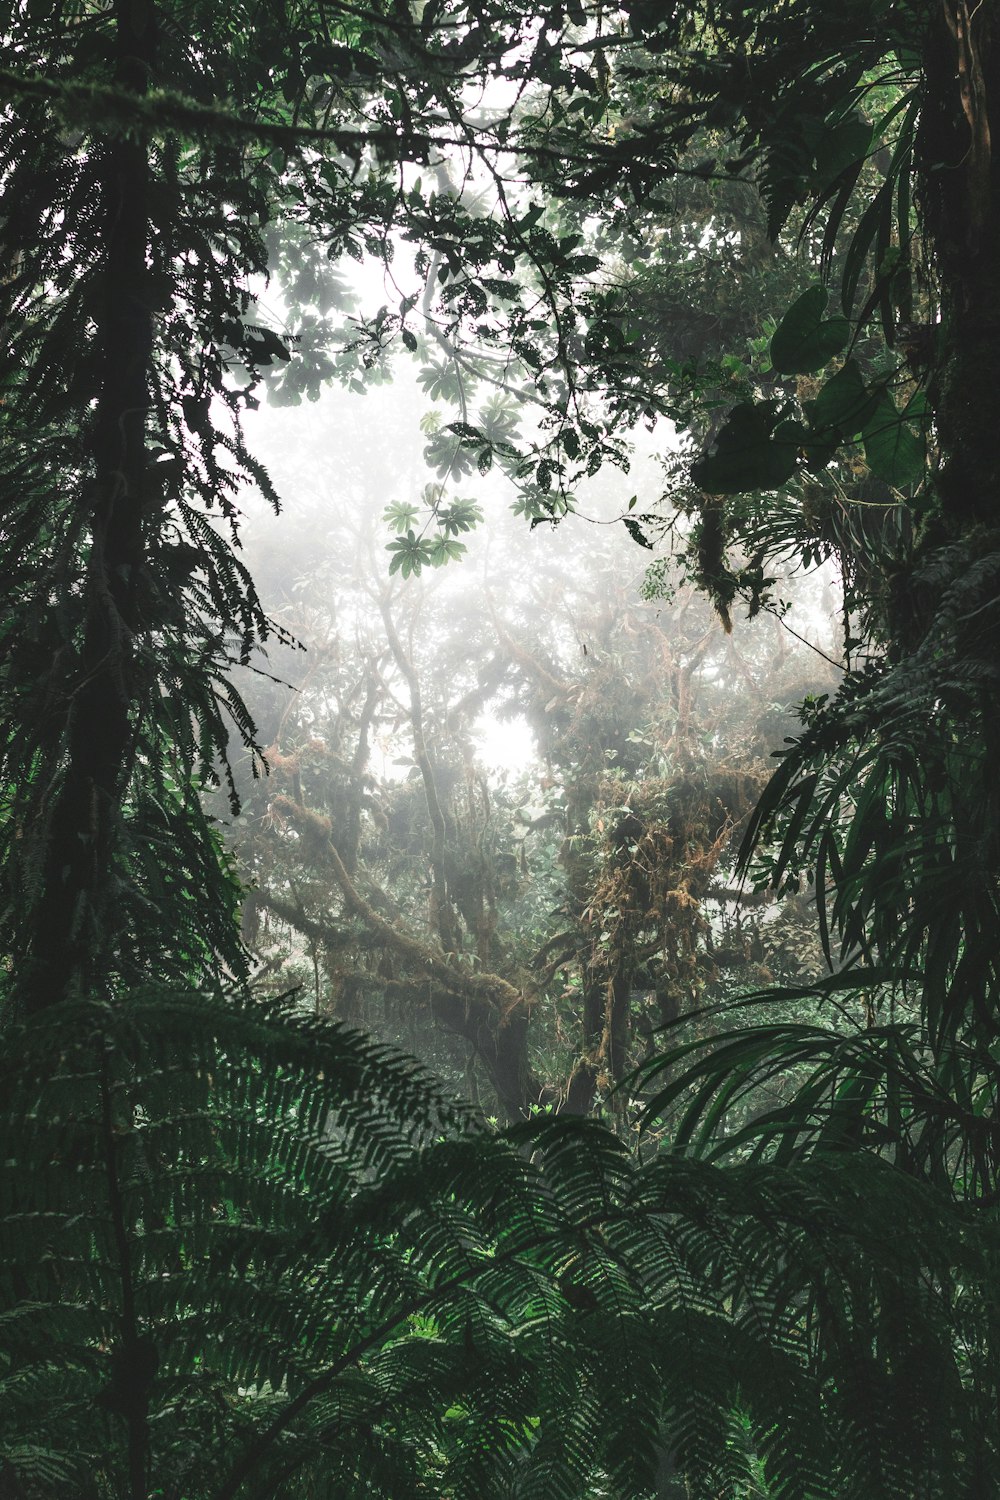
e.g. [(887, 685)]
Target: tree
[(506, 909), (129, 249), (177, 1146), (126, 604), (887, 798)]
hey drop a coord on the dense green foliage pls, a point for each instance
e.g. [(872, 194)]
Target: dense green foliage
[(238, 1259), (245, 1253), (886, 801)]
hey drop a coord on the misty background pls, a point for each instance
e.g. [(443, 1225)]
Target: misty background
[(504, 795)]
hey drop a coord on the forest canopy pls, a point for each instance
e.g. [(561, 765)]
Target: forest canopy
[(245, 1249)]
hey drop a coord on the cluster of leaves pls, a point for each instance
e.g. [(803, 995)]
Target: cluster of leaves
[(237, 1256), (124, 604), (886, 801), (882, 804), (410, 551), (147, 1185), (627, 704), (761, 445)]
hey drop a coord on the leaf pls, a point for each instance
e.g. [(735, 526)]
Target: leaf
[(844, 404), (893, 450), (400, 517), (803, 342), (442, 550), (466, 432), (636, 532), (531, 218), (875, 226), (460, 515), (843, 146), (409, 554), (263, 346), (748, 455)]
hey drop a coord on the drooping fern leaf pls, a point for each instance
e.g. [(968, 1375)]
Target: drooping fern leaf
[(246, 1253)]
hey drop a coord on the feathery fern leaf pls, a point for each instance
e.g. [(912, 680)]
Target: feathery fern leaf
[(244, 1251)]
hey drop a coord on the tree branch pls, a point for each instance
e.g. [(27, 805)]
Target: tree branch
[(441, 913)]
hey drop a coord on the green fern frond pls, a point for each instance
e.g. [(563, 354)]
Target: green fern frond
[(249, 1235)]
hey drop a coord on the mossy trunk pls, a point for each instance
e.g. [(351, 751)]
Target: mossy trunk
[(73, 924), (958, 172)]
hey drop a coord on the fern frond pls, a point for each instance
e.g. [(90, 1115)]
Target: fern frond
[(248, 1234)]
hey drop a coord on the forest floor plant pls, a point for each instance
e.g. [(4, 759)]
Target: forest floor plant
[(245, 1253)]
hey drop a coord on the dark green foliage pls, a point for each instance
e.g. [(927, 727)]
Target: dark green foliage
[(893, 451), (123, 602), (885, 805), (756, 450), (887, 801), (239, 1259), (804, 341)]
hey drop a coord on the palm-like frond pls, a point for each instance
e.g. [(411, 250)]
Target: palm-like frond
[(246, 1253), (887, 803)]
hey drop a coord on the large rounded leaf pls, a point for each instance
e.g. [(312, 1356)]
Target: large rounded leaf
[(803, 341), (893, 450), (844, 404), (841, 146), (752, 452)]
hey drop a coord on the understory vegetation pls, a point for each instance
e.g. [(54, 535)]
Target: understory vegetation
[(500, 977), (527, 929)]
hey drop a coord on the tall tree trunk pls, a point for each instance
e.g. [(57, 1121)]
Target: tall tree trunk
[(958, 162), (74, 924)]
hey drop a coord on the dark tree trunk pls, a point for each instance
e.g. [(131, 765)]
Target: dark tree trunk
[(958, 166), (74, 923), (503, 1048)]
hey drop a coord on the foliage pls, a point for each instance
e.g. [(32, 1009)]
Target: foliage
[(574, 890), (882, 803), (894, 817), (125, 605), (166, 1154), (236, 1258)]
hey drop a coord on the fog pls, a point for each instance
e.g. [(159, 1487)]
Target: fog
[(503, 793)]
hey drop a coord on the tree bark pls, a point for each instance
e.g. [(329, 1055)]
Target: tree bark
[(73, 927), (959, 194), (485, 1008)]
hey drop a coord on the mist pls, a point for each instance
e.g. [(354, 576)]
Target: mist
[(504, 793)]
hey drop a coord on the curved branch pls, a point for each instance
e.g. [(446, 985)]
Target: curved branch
[(441, 914), (489, 1011)]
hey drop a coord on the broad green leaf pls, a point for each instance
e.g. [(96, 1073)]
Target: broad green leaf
[(752, 453), (843, 406), (460, 515), (636, 532), (410, 553), (893, 450), (818, 452), (803, 342), (841, 146), (400, 517), (442, 550)]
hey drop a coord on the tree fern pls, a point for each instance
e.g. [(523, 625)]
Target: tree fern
[(245, 1253)]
